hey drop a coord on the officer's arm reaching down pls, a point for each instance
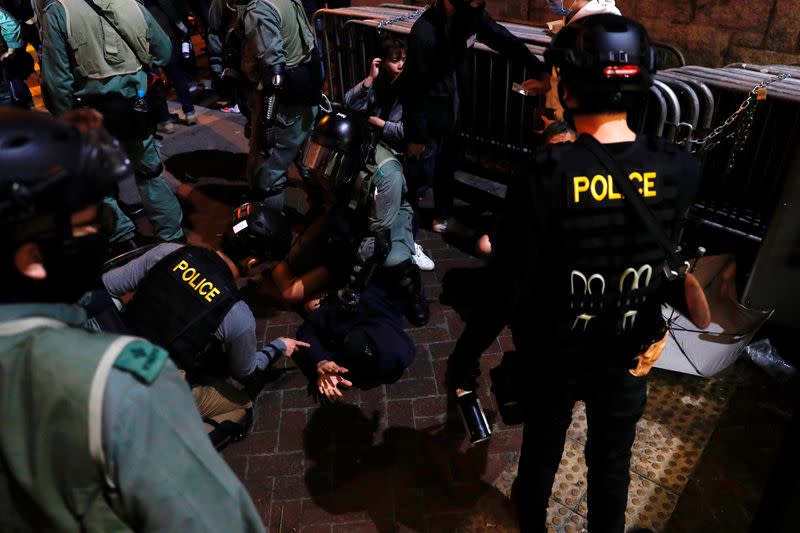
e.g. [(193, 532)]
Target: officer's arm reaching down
[(248, 366)]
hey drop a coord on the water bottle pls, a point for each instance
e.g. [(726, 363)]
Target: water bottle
[(140, 102), (186, 49)]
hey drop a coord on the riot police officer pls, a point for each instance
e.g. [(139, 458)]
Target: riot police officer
[(10, 43), (579, 274), (87, 417), (186, 300), (365, 230), (280, 58), (99, 61)]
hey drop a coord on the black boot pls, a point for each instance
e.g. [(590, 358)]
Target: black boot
[(406, 278)]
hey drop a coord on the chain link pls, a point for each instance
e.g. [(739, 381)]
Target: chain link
[(401, 18), (747, 112)]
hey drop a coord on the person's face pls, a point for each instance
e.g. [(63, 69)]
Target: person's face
[(394, 65)]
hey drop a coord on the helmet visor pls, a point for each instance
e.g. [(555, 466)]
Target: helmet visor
[(322, 162)]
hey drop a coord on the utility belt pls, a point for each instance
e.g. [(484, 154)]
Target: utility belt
[(302, 84), (121, 117)]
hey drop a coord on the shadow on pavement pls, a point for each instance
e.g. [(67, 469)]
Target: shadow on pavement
[(420, 479)]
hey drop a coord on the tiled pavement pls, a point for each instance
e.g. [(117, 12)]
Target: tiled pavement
[(391, 458)]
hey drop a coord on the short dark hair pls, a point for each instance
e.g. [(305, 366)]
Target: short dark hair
[(559, 127), (392, 48)]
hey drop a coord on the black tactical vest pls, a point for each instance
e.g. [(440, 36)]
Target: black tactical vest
[(180, 304), (601, 269)]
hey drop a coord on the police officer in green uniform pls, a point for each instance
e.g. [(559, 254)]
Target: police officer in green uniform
[(577, 274), (86, 61), (281, 60), (365, 231), (10, 41), (99, 431)]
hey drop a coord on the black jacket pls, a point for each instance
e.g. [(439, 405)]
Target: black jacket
[(536, 246), (436, 54)]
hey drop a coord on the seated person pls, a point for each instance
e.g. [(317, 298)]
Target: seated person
[(186, 300), (363, 347), (377, 96), (365, 226), (556, 131)]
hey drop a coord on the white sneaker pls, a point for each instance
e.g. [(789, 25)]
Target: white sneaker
[(420, 259)]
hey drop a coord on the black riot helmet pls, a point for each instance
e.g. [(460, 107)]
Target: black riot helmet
[(601, 59), (337, 148), (49, 172), (257, 231)]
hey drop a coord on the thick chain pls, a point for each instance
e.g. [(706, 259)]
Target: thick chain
[(401, 18), (747, 112)]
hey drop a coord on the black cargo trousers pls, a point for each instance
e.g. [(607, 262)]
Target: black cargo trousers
[(614, 400)]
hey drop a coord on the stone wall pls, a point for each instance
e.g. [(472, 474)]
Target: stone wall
[(708, 32)]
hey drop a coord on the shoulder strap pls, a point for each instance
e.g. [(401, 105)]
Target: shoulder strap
[(644, 213), (96, 394), (103, 16)]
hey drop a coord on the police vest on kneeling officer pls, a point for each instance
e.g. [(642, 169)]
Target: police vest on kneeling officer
[(91, 422), (187, 301), (576, 272)]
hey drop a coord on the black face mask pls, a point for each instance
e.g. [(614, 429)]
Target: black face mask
[(73, 268), (74, 265)]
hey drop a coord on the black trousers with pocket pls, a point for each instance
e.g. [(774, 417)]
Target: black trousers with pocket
[(615, 401)]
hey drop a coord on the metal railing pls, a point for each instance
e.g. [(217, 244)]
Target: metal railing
[(744, 166)]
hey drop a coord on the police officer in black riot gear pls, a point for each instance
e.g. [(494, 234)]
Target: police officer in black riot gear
[(581, 290), (187, 301), (365, 231)]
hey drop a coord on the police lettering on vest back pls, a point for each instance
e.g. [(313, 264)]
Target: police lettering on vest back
[(599, 190), (196, 280)]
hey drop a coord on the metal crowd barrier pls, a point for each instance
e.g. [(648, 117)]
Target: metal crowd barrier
[(493, 141), (685, 103)]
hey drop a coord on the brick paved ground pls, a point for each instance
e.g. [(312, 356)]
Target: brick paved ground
[(388, 456)]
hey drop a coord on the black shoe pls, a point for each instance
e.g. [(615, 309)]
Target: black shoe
[(418, 311), (226, 432)]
